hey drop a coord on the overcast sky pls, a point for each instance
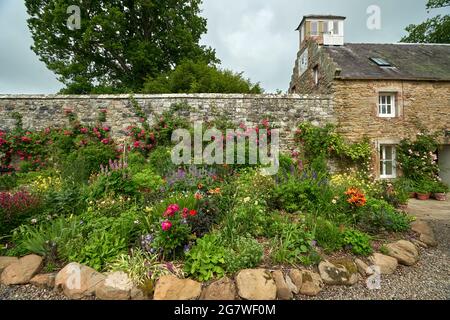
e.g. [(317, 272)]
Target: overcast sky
[(253, 36)]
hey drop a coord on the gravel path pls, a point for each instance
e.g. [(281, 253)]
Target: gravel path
[(428, 280)]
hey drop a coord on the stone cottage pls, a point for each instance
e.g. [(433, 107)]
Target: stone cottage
[(386, 92)]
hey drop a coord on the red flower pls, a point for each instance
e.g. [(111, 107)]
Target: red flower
[(193, 213), (136, 144), (84, 130), (185, 213), (166, 225), (105, 141), (67, 133), (26, 139), (106, 129)]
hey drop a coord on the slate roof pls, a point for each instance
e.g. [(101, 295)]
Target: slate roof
[(409, 61)]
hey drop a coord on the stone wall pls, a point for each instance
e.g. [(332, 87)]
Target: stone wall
[(420, 106), (285, 111), (305, 83)]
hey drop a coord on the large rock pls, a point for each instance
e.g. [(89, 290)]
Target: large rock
[(387, 264), (295, 277), (363, 268), (223, 289), (256, 284), (77, 281), (21, 271), (284, 292), (404, 251), (116, 286), (171, 288), (337, 274), (425, 231), (6, 261), (311, 283), (44, 280)]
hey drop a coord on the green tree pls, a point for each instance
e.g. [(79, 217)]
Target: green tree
[(120, 42), (433, 30), (199, 77)]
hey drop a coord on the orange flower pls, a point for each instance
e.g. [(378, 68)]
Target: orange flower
[(214, 191), (199, 186), (198, 196)]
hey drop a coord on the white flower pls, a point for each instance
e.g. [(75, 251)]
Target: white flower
[(334, 201), (246, 199), (136, 222), (33, 221)]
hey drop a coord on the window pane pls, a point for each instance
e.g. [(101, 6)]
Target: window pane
[(383, 99), (383, 109), (336, 27), (388, 99), (381, 168), (389, 169), (388, 153), (389, 109), (314, 28)]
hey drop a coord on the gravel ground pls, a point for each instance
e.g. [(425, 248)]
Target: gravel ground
[(28, 292), (428, 280)]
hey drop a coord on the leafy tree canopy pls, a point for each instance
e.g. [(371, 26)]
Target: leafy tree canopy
[(199, 77), (433, 30), (120, 42)]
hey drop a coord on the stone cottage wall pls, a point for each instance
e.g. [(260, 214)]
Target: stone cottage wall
[(285, 111)]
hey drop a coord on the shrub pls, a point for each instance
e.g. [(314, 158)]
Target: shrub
[(15, 208), (146, 180), (303, 193), (161, 161), (292, 245), (358, 242), (206, 259), (328, 235), (8, 181), (47, 239), (379, 216), (245, 253)]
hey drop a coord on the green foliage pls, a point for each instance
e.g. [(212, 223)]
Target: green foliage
[(358, 241), (47, 239), (244, 254), (101, 240), (321, 143), (79, 165), (147, 180), (199, 77), (8, 181), (378, 215), (292, 245), (304, 193), (417, 159), (160, 161), (433, 30), (116, 48), (206, 259), (328, 235)]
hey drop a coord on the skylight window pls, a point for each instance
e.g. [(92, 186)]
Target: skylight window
[(381, 62)]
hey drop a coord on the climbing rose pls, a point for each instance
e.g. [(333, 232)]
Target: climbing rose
[(185, 213)]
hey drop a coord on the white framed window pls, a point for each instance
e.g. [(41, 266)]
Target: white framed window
[(314, 28), (386, 105), (387, 161), (335, 28)]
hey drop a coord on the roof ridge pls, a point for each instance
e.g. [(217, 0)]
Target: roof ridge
[(400, 43)]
